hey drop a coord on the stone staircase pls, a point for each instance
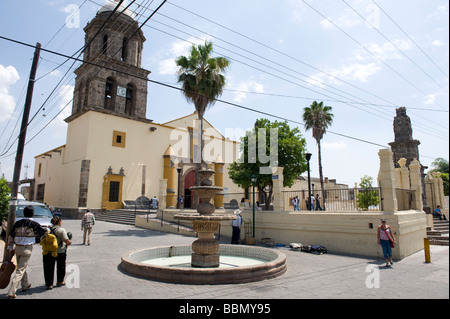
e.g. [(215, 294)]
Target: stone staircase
[(439, 235), (118, 216)]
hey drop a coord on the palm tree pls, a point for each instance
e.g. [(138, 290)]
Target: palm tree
[(318, 117), (202, 81)]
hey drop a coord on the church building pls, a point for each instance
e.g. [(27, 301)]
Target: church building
[(113, 153)]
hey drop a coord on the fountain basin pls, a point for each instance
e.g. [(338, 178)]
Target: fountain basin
[(238, 264)]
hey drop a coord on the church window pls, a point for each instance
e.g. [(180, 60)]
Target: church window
[(130, 100), (119, 139), (105, 44), (110, 95), (124, 49)]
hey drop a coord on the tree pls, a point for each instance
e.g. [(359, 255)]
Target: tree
[(290, 155), (367, 195), (202, 82), (318, 118), (441, 165), (4, 198)]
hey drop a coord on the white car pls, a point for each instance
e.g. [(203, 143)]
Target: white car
[(41, 212)]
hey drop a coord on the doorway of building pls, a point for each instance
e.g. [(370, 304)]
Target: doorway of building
[(189, 181)]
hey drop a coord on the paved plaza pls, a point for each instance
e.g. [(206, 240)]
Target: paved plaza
[(93, 273)]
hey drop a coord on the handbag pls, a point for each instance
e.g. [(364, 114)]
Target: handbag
[(6, 270), (392, 242)]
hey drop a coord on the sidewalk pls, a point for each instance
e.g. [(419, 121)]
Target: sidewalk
[(92, 273)]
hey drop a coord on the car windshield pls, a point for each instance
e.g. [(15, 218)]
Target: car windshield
[(40, 211)]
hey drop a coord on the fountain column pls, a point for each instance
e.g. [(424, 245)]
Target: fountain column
[(205, 224)]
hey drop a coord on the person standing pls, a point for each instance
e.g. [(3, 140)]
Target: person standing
[(87, 224), (63, 240), (23, 235), (312, 202), (296, 203), (386, 239), (318, 207), (236, 224), (154, 202)]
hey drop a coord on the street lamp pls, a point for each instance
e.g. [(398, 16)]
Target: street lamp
[(308, 158), (179, 187), (254, 179)]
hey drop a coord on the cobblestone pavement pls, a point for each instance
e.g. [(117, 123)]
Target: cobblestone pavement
[(308, 276)]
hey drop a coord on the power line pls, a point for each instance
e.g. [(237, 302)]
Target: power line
[(284, 54), (181, 90), (400, 50), (370, 52), (411, 39)]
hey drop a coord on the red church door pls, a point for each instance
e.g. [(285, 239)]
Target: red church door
[(189, 181)]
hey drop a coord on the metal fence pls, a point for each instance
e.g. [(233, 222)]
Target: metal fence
[(345, 199)]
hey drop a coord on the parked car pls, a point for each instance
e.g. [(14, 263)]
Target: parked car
[(42, 213)]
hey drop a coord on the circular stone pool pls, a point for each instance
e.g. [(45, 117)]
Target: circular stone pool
[(238, 264)]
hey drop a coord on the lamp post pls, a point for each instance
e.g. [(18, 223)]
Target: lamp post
[(179, 187), (308, 158), (254, 179)]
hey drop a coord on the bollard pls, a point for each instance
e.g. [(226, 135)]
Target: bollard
[(427, 250)]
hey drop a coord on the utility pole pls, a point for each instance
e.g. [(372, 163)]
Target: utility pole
[(21, 144)]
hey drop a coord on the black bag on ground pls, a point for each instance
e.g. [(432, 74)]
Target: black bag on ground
[(306, 248), (319, 250)]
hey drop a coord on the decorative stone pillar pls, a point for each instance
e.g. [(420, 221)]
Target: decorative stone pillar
[(218, 167), (387, 181), (440, 183), (403, 183), (416, 183), (162, 193), (170, 176), (278, 197)]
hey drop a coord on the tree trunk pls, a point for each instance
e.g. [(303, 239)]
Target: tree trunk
[(321, 174), (267, 196)]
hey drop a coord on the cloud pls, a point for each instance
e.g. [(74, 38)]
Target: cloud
[(350, 71), (178, 48), (389, 50), (246, 86), (8, 77), (437, 43), (334, 146)]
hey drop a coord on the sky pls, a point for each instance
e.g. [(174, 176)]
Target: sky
[(364, 58)]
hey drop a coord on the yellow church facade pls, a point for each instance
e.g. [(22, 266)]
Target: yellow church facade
[(109, 159), (113, 153)]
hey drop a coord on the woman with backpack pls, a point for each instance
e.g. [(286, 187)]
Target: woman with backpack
[(49, 261)]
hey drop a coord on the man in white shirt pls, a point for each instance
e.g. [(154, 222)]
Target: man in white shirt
[(236, 224), (23, 236)]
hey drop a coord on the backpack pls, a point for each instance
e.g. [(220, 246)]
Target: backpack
[(318, 250), (49, 244)]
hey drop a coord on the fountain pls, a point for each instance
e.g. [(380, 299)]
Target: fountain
[(206, 247), (201, 262)]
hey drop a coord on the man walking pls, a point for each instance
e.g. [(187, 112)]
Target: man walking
[(23, 237), (87, 224)]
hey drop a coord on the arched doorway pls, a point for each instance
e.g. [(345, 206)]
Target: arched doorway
[(189, 181)]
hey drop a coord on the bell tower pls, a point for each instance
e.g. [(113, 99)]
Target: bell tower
[(111, 79)]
